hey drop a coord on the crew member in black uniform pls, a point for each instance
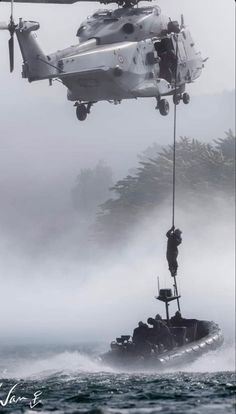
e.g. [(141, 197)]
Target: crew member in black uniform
[(168, 59), (141, 337), (177, 319), (174, 240), (160, 334)]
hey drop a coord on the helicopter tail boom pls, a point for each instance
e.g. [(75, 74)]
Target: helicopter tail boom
[(36, 65)]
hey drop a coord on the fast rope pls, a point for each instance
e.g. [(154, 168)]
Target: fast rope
[(174, 138), (174, 157)]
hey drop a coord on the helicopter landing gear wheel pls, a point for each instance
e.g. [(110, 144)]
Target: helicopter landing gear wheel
[(176, 98), (81, 112), (186, 98), (164, 107)]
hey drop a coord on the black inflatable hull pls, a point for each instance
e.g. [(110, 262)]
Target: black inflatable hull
[(178, 356)]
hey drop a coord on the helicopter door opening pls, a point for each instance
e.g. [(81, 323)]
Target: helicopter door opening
[(166, 52)]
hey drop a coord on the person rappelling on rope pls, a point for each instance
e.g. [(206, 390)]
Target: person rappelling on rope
[(174, 240)]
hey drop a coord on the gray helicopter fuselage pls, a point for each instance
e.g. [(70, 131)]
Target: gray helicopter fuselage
[(124, 64), (95, 71), (128, 69), (126, 53), (119, 71)]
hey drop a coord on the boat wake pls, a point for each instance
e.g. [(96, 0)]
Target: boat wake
[(222, 359), (63, 364), (70, 364)]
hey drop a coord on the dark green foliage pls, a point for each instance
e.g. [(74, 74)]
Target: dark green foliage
[(92, 188), (226, 145), (201, 169)]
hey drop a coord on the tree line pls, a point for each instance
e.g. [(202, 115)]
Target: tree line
[(202, 169)]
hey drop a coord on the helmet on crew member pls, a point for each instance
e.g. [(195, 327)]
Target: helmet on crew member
[(151, 321)]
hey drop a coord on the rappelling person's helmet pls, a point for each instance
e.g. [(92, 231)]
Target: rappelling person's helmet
[(178, 232)]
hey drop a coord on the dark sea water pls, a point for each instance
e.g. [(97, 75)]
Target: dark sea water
[(72, 381)]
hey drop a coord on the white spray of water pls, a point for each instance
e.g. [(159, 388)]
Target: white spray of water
[(72, 364), (65, 363), (215, 361)]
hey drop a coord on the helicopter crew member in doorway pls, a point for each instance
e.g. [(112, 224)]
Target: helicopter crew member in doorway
[(174, 240), (168, 59)]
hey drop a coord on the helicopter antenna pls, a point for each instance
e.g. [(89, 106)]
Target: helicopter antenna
[(11, 17), (158, 285)]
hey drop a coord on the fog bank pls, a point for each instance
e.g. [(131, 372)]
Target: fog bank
[(65, 299)]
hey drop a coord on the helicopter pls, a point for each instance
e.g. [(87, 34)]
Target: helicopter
[(130, 52)]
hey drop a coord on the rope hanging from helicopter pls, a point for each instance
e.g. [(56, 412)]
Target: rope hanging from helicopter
[(174, 137), (174, 235)]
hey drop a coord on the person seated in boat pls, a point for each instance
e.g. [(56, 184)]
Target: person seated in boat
[(141, 338), (160, 333), (179, 328), (166, 336), (159, 318), (174, 240), (153, 331), (190, 325), (177, 319)]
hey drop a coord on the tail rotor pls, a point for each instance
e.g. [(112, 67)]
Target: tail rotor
[(11, 27)]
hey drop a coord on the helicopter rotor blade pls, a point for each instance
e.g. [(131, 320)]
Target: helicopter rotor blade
[(59, 1), (44, 1), (11, 28)]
